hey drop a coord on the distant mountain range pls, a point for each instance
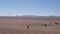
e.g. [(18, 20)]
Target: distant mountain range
[(33, 17)]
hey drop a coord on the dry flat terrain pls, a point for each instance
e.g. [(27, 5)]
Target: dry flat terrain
[(37, 25)]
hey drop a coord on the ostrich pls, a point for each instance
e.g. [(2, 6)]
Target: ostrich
[(45, 24), (27, 27)]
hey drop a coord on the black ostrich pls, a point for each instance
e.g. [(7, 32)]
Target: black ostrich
[(27, 27), (45, 24)]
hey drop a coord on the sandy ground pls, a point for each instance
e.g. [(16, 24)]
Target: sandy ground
[(19, 26)]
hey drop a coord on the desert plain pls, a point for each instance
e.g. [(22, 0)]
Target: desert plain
[(37, 25)]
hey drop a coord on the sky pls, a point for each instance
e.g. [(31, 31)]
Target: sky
[(29, 7)]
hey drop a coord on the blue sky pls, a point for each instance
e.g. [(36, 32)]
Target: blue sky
[(30, 7)]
